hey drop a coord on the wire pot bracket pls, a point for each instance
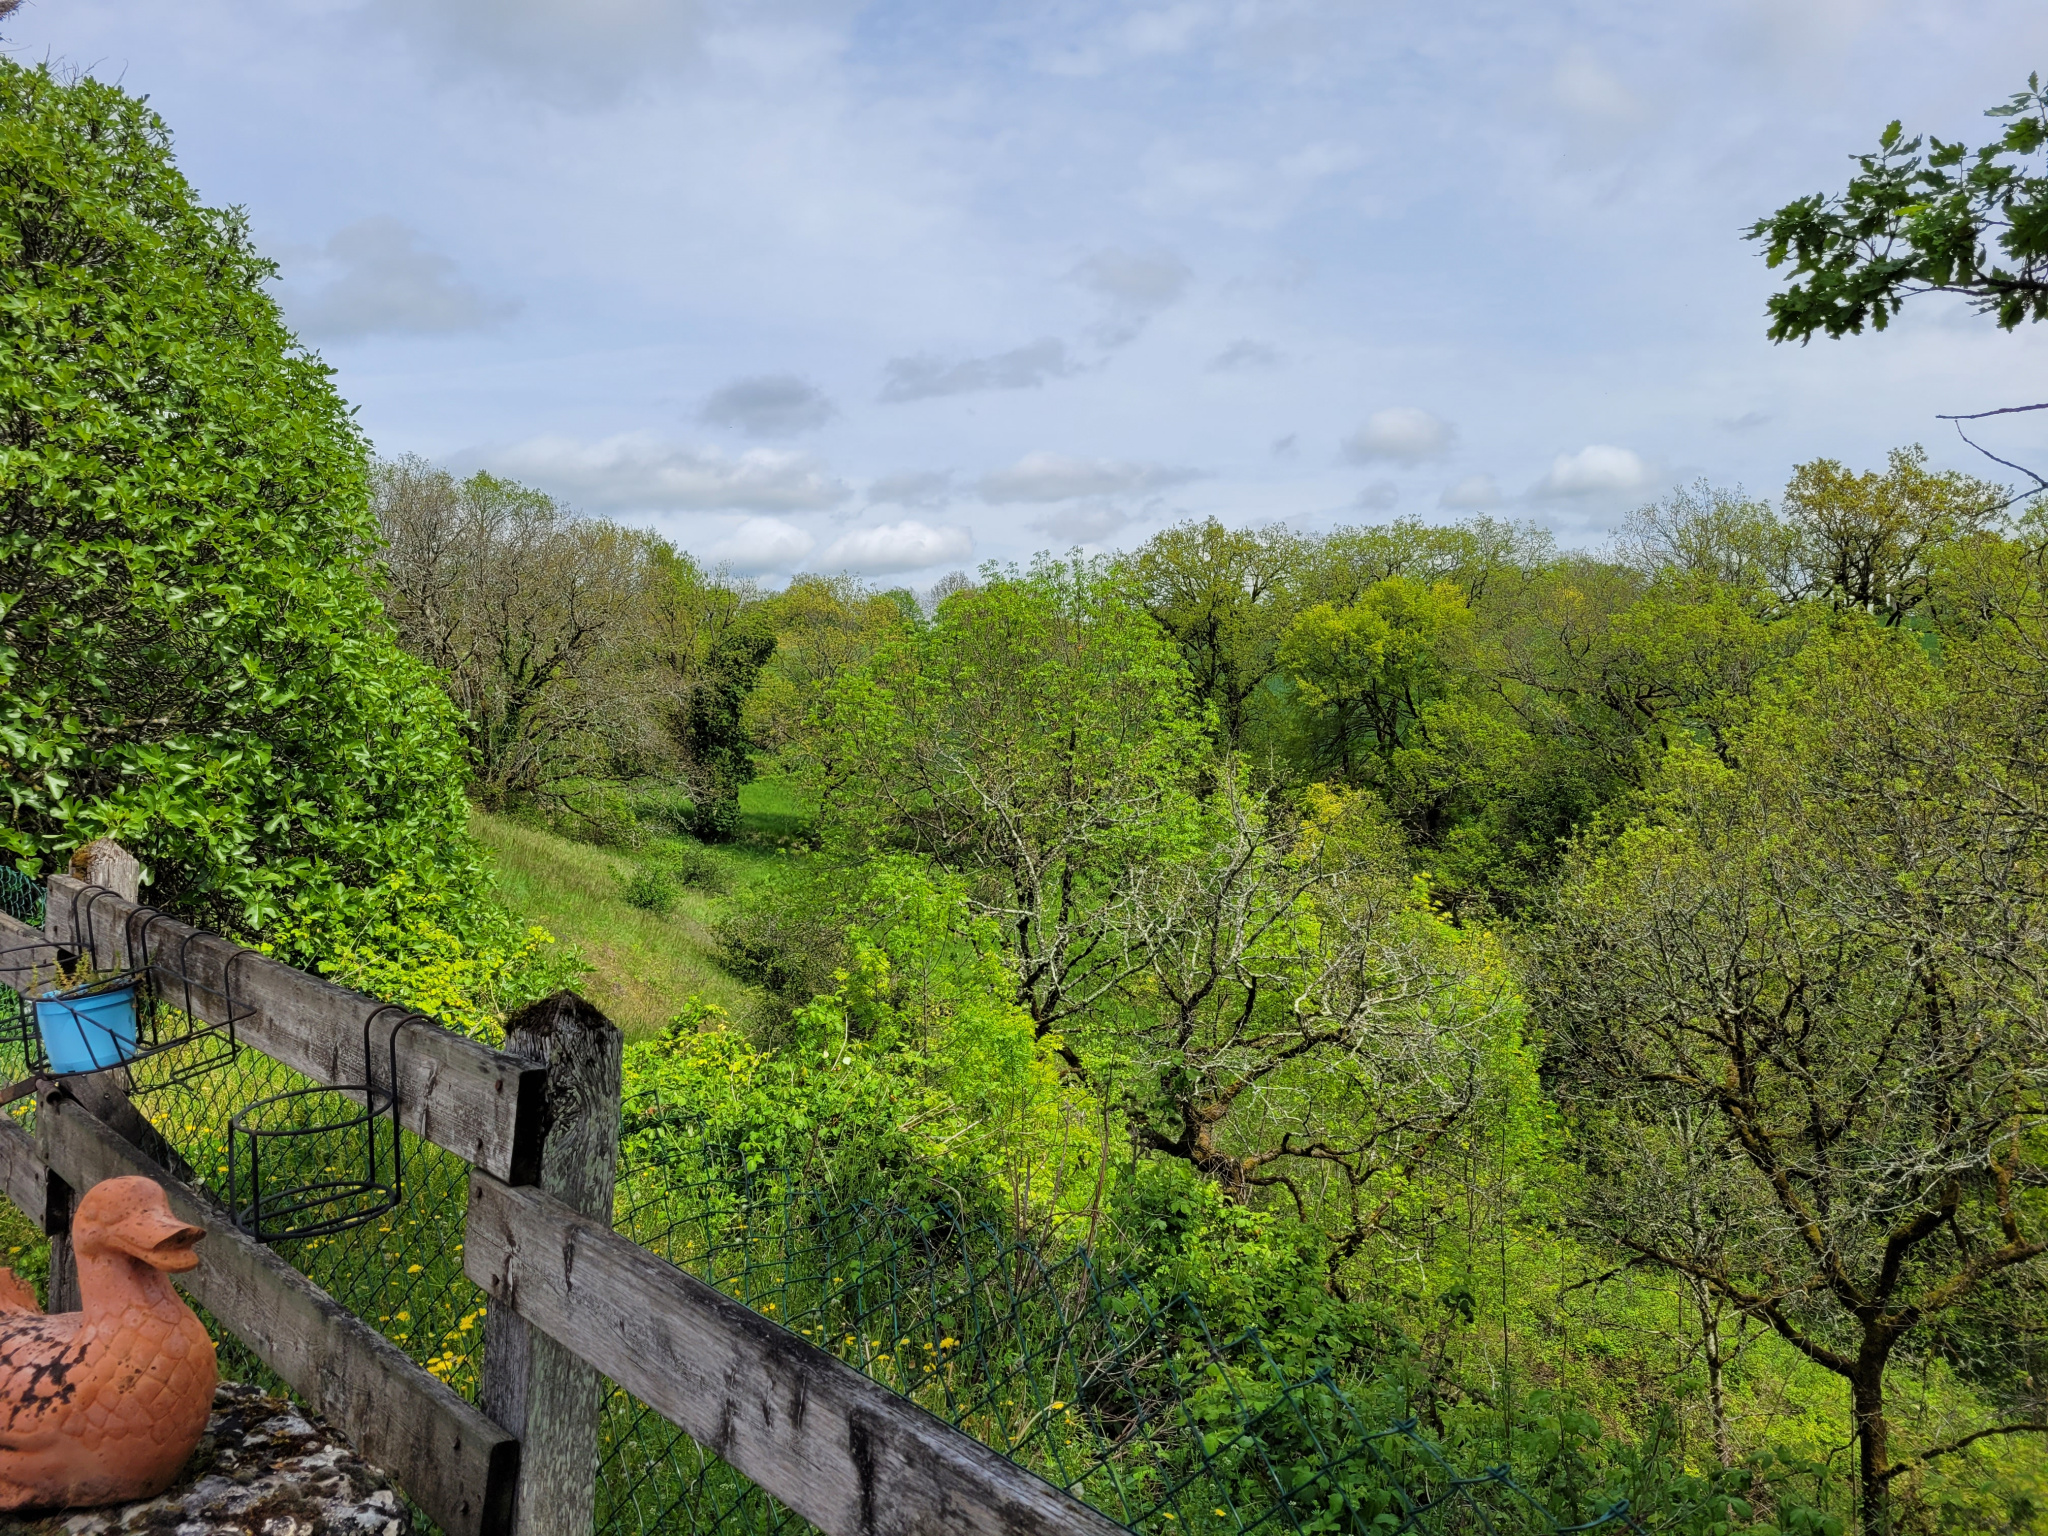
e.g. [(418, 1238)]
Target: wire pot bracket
[(315, 1161), (81, 1013)]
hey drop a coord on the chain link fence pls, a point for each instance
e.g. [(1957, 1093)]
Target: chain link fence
[(1136, 1408)]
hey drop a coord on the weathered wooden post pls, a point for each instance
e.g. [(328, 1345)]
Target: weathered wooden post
[(106, 863), (532, 1385)]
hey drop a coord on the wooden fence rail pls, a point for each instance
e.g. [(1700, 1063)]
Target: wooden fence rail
[(847, 1454), (480, 1104), (455, 1463), (570, 1299)]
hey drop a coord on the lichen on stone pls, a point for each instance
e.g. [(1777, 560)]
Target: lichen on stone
[(263, 1468)]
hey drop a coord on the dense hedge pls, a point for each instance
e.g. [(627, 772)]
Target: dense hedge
[(190, 657)]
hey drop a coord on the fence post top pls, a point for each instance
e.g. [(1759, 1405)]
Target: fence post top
[(104, 862), (559, 1018)]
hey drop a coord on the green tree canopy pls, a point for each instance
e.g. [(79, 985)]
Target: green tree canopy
[(1824, 960), (190, 659), (1040, 733)]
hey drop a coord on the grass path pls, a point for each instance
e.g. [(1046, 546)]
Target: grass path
[(645, 964)]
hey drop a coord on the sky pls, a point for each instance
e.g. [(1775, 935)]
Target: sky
[(898, 288)]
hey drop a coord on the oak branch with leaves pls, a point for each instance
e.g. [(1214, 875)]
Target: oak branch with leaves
[(1921, 216)]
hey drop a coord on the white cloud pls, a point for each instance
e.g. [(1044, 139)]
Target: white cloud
[(1377, 497), (922, 376), (1595, 469), (1089, 523), (1403, 435), (1054, 477), (1474, 493), (912, 488), (374, 276), (769, 405), (1592, 94), (1244, 355), (905, 546), (761, 545), (640, 473)]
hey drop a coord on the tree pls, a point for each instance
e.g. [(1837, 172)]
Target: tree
[(1869, 541), (190, 658), (701, 642), (1478, 556), (1924, 216), (825, 627), (1039, 736), (529, 614), (1307, 1027), (1222, 595), (1368, 674), (712, 728), (1707, 533), (1829, 951)]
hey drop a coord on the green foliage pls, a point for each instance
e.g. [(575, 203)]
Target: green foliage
[(655, 884), (1922, 216), (712, 730), (1039, 733), (1224, 597), (1372, 674), (651, 890), (458, 959), (189, 661)]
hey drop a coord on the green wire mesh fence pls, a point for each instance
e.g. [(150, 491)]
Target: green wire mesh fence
[(21, 897), (1135, 1408), (1132, 1405)]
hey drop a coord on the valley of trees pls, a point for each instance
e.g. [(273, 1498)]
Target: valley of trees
[(1591, 999)]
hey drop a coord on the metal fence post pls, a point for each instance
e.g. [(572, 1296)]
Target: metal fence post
[(532, 1386)]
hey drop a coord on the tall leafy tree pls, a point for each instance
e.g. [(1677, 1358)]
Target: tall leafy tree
[(190, 658), (533, 619), (1826, 957), (1039, 734), (1224, 596)]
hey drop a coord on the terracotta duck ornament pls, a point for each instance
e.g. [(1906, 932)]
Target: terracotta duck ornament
[(106, 1404)]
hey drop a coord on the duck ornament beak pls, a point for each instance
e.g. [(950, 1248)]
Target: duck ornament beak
[(158, 1239)]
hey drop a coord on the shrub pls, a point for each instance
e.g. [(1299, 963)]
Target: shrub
[(651, 890), (449, 954), (692, 864), (716, 821)]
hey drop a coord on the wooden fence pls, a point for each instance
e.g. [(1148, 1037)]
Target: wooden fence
[(570, 1300)]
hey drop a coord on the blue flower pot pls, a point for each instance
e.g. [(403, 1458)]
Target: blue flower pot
[(89, 1028)]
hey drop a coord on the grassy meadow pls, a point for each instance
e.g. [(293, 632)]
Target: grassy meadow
[(643, 963)]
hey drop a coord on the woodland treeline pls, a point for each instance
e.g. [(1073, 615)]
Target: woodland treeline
[(1295, 913), (1589, 1002)]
